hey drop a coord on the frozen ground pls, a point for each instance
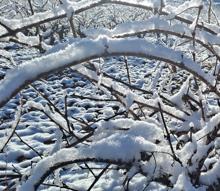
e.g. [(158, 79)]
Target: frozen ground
[(41, 133), (38, 131), (117, 134)]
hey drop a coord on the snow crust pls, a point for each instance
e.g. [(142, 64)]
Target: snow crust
[(175, 127)]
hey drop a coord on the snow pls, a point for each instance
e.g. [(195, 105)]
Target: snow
[(151, 103), (13, 127), (115, 122), (45, 165), (30, 40), (129, 99), (209, 126), (211, 177), (176, 98), (155, 24), (88, 49), (68, 7), (58, 12), (187, 5), (183, 183), (104, 148)]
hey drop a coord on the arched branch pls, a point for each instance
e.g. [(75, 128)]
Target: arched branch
[(85, 50)]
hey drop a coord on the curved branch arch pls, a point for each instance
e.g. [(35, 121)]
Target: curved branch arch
[(45, 167), (97, 151), (85, 50)]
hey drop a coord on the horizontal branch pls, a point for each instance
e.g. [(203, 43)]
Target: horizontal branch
[(158, 25), (17, 25)]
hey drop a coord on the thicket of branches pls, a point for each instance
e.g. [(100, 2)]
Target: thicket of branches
[(173, 136)]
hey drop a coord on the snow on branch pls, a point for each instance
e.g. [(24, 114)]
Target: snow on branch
[(12, 26), (85, 50), (157, 25), (187, 5), (149, 103), (154, 24), (127, 144)]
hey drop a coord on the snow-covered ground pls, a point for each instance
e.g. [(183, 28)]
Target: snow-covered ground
[(113, 132)]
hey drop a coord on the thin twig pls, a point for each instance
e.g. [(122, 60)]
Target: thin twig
[(98, 177), (14, 126), (168, 137), (29, 145)]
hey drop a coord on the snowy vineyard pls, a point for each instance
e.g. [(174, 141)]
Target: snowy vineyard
[(109, 95)]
